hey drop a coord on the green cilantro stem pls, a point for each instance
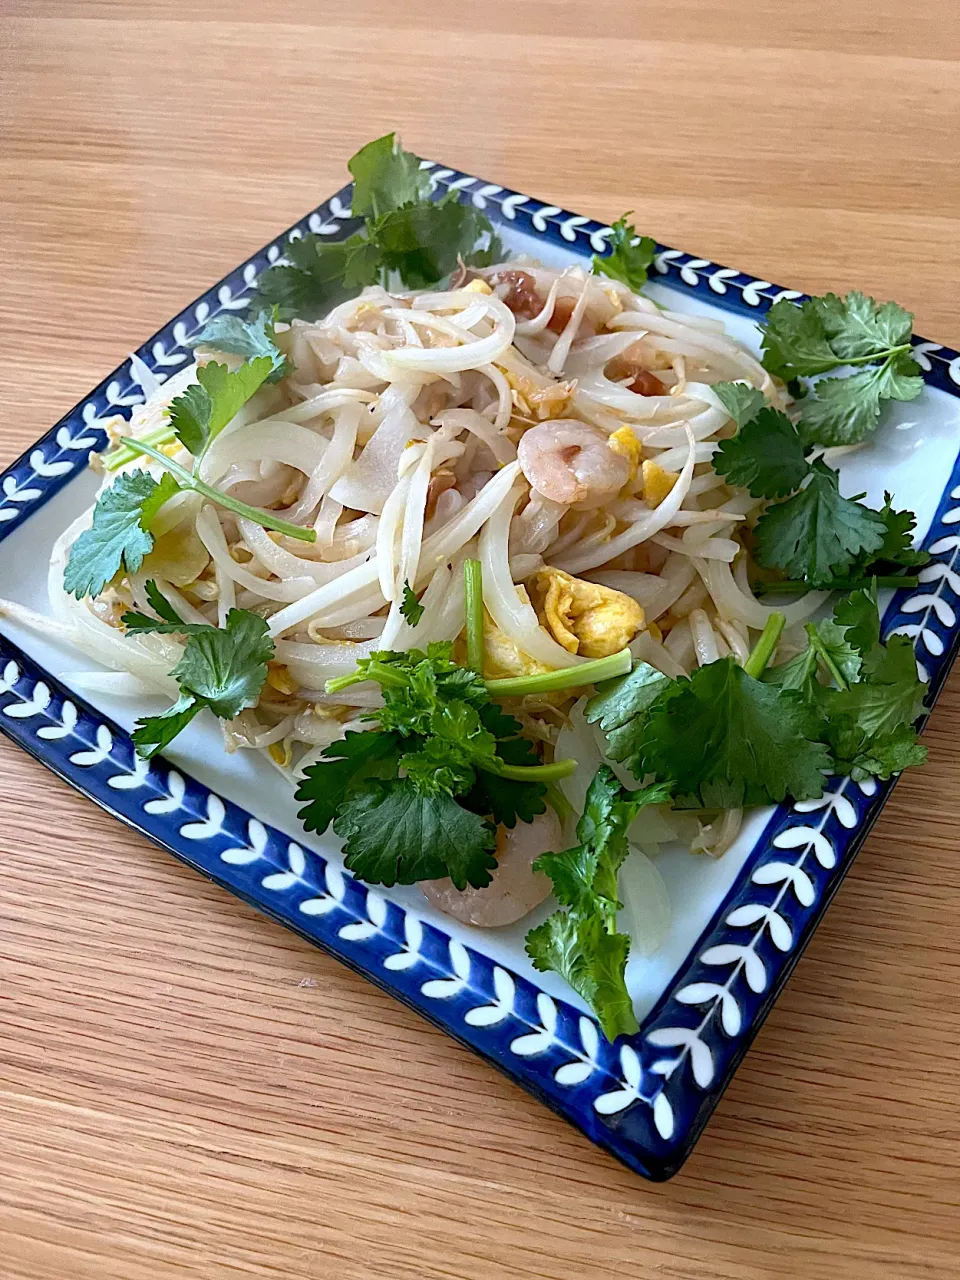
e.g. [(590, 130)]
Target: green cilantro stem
[(382, 672), (473, 603), (533, 772), (823, 656), (188, 481), (559, 803), (617, 664), (157, 438), (763, 649), (876, 356), (892, 580)]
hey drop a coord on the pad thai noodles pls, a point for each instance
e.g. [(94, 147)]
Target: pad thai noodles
[(525, 447)]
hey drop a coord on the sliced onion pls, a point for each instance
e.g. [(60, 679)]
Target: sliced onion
[(652, 651), (515, 617), (336, 459), (561, 348), (115, 684), (704, 638), (736, 604), (646, 913), (152, 657), (284, 442), (501, 446), (369, 480), (312, 665)]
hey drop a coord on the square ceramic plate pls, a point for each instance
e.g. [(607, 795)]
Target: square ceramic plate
[(739, 923)]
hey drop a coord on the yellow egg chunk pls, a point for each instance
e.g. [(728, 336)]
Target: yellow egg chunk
[(657, 483), (625, 443), (279, 678), (501, 657), (477, 286), (281, 753), (584, 617)]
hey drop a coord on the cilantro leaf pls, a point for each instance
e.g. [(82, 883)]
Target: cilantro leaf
[(592, 961), (799, 673), (320, 274), (405, 231), (221, 669), (629, 258), (581, 942), (250, 338), (766, 456), (394, 834), (411, 608), (385, 177), (795, 343), (440, 729), (585, 877), (817, 534), (201, 412), (857, 614), (856, 326), (881, 756), (504, 800), (155, 733), (120, 533), (890, 695), (620, 707), (424, 242), (169, 622), (345, 764), (827, 650), (725, 739), (831, 332), (897, 552), (897, 547), (740, 400), (458, 744), (829, 641), (845, 410)]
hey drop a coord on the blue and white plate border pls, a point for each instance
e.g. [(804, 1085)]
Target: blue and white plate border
[(646, 1098)]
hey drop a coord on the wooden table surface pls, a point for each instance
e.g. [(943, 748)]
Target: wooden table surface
[(187, 1089)]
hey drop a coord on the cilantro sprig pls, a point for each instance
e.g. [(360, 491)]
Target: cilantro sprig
[(816, 536), (829, 333), (120, 535), (252, 338), (414, 798), (581, 941), (405, 230), (629, 258), (411, 608), (732, 737), (222, 670)]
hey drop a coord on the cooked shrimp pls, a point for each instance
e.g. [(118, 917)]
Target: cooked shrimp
[(515, 888), (572, 463)]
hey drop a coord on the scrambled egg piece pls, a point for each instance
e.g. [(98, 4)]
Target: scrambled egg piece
[(477, 286), (501, 657), (584, 617), (279, 678), (537, 404), (657, 483), (282, 753), (625, 443)]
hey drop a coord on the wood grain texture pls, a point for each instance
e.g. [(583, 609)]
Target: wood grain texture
[(185, 1089)]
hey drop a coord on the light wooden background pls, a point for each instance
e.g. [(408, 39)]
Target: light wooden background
[(185, 1089)]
